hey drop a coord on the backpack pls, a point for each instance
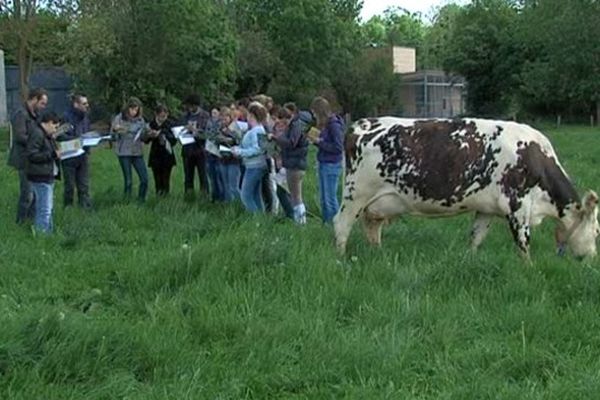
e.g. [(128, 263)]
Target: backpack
[(306, 120)]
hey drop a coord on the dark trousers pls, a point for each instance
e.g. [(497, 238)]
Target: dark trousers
[(285, 201), (26, 202), (192, 162), (266, 190), (76, 175), (162, 179), (140, 168)]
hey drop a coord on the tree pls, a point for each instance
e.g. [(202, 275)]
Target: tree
[(306, 43), (483, 47), (27, 27), (159, 51), (437, 38), (561, 72)]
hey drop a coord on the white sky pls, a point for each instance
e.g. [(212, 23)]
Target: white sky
[(375, 7)]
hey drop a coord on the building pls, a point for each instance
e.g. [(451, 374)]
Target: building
[(425, 93), (432, 93)]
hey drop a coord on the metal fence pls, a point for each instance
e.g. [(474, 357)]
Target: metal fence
[(431, 93)]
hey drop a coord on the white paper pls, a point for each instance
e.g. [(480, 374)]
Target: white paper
[(178, 130), (93, 141), (183, 135), (212, 148), (71, 153), (224, 149), (138, 134), (186, 139)]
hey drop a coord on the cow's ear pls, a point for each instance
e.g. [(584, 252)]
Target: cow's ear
[(590, 202)]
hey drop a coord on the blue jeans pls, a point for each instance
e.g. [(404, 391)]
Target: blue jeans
[(329, 175), (140, 168), (26, 203), (251, 189), (44, 202), (231, 181), (217, 183)]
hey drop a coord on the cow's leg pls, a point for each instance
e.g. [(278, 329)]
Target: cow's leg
[(373, 224), (481, 227), (350, 211), (520, 228)]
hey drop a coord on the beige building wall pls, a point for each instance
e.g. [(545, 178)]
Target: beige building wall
[(404, 59)]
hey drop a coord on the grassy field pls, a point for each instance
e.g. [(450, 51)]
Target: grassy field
[(172, 300)]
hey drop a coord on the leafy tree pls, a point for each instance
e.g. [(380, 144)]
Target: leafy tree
[(560, 74), (27, 32), (305, 44), (437, 38), (156, 50), (483, 48)]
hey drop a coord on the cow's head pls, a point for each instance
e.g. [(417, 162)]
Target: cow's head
[(581, 235)]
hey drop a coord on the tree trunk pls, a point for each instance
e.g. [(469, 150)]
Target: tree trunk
[(24, 21)]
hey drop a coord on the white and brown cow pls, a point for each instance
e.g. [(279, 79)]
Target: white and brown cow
[(446, 167)]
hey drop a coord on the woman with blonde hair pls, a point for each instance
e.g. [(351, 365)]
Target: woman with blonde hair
[(253, 158), (330, 144)]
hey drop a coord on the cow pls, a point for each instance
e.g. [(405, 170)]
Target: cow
[(438, 167)]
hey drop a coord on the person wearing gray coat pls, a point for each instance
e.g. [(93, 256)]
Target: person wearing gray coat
[(129, 129)]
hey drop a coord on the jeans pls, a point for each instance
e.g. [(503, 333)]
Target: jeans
[(26, 202), (217, 182), (231, 179), (76, 174), (329, 175), (44, 201), (140, 168), (251, 189)]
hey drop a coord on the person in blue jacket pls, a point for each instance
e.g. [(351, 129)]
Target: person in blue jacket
[(330, 144), (253, 158)]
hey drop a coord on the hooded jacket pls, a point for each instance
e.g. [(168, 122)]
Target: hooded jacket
[(331, 143)]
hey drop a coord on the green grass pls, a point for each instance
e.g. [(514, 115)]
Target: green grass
[(114, 306)]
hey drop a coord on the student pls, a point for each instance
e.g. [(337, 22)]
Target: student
[(129, 126), (329, 155), (268, 184), (294, 150), (76, 169), (213, 161), (162, 156), (229, 135), (193, 154), (22, 123), (253, 158), (42, 168)]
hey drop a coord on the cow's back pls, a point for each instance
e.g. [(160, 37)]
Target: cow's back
[(442, 166)]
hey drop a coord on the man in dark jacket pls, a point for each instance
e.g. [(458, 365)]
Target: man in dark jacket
[(193, 154), (42, 168), (76, 169), (23, 122)]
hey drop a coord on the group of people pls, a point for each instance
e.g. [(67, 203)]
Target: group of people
[(252, 150)]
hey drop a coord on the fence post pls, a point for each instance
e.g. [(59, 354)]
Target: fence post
[(558, 118), (592, 120), (3, 106)]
